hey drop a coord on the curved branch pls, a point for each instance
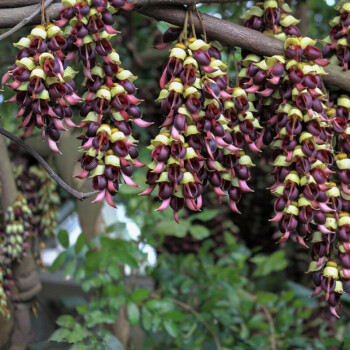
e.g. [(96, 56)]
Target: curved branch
[(79, 195), (227, 33), (12, 16), (21, 3), (25, 21), (231, 34)]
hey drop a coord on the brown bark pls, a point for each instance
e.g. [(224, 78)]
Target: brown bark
[(227, 33), (15, 333)]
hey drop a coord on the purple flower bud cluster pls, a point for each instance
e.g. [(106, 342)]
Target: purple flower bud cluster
[(43, 83), (337, 44), (200, 141), (272, 18), (14, 235), (110, 105), (40, 191), (310, 146)]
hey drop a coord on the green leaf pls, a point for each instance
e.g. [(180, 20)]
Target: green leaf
[(205, 215), (174, 315), (171, 328), (133, 314), (79, 245), (60, 335), (139, 295), (83, 309), (58, 262), (93, 260), (267, 264), (63, 238), (113, 343), (78, 334), (114, 271), (70, 267), (199, 231), (160, 306), (79, 346), (266, 298), (66, 321)]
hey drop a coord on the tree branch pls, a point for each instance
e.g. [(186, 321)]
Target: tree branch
[(231, 34), (21, 3), (79, 195), (25, 21), (227, 33)]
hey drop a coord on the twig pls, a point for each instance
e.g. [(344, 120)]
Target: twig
[(197, 315), (79, 195), (192, 24), (43, 13), (236, 66), (26, 20), (268, 317), (202, 23)]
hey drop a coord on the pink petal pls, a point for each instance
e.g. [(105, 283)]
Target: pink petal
[(138, 164), (133, 99), (82, 175), (324, 207), (5, 78), (148, 190), (87, 73), (165, 205), (233, 207), (53, 145), (109, 199), (345, 189), (253, 147), (219, 191), (244, 187), (128, 181), (100, 197), (159, 168), (141, 123), (278, 217), (324, 229), (69, 123), (224, 95)]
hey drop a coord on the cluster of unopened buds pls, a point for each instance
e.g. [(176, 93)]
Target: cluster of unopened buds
[(14, 235), (40, 191), (89, 26), (110, 105), (337, 44), (262, 78), (272, 18), (200, 140), (43, 82), (307, 137)]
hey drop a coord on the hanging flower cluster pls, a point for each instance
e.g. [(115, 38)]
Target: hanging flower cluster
[(110, 105), (331, 253), (291, 104), (262, 78), (40, 191), (14, 234), (43, 83), (337, 44), (200, 140)]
